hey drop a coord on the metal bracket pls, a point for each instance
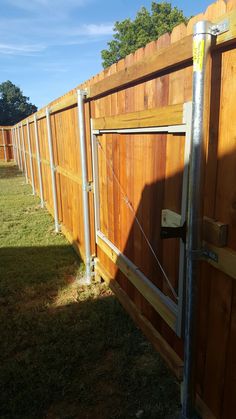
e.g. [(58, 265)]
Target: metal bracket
[(89, 187), (209, 254), (84, 92), (220, 27), (174, 232)]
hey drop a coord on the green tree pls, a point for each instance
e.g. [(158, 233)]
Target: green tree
[(14, 106), (130, 35)]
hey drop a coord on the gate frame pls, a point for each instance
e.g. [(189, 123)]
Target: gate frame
[(177, 309)]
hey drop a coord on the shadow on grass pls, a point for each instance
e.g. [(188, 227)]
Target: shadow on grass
[(9, 170), (69, 351)]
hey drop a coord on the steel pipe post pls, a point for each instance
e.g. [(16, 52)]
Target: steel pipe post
[(95, 179), (13, 144), (19, 148), (53, 171), (81, 94), (38, 161), (23, 148), (30, 159), (202, 38)]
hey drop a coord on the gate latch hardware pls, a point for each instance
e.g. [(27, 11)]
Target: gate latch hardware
[(174, 232)]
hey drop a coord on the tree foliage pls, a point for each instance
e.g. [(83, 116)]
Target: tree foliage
[(147, 26), (14, 106)]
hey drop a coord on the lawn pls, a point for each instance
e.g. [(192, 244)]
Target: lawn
[(67, 351)]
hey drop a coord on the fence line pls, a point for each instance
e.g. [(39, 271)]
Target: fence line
[(135, 109)]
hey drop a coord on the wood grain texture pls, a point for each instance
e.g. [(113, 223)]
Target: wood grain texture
[(167, 115)]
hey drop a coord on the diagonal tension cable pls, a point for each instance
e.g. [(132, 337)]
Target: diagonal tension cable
[(129, 205)]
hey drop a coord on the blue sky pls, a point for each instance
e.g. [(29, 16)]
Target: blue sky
[(47, 47)]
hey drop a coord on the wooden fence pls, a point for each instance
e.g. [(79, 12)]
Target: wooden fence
[(6, 148), (137, 180)]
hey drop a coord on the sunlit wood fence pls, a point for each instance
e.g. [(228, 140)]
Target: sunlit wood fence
[(136, 183), (6, 147)]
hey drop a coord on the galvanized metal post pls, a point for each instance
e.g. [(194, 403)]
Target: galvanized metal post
[(201, 51), (38, 161), (4, 145), (13, 144), (23, 147), (95, 179), (19, 147), (30, 159), (53, 170), (187, 118), (85, 187)]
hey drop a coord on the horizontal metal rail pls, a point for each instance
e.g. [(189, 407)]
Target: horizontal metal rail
[(163, 129)]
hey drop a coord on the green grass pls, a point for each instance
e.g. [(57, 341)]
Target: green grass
[(66, 351)]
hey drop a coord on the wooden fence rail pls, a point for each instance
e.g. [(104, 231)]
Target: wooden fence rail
[(136, 116)]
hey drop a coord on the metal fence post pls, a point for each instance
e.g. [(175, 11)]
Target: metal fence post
[(81, 94), (13, 143), (201, 50), (23, 147), (4, 145), (19, 148), (30, 158), (38, 161), (53, 169), (15, 147)]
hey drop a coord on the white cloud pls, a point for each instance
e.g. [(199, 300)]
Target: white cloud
[(51, 23), (47, 33), (97, 30), (19, 49)]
